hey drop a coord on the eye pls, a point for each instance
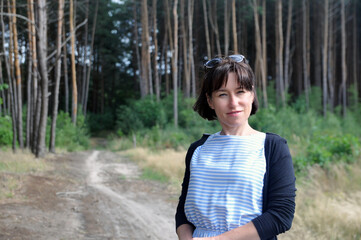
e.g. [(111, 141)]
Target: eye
[(222, 95), (240, 91)]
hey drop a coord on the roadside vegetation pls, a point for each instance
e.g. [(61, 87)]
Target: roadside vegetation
[(13, 168)]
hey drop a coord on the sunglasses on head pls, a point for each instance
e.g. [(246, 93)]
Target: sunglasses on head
[(215, 61)]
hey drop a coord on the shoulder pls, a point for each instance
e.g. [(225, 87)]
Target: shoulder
[(276, 146), (199, 142), (275, 141), (196, 144)]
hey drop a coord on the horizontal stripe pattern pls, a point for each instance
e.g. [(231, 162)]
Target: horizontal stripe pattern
[(226, 183)]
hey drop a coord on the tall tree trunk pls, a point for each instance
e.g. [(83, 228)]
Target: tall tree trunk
[(42, 46), (343, 57), (305, 52), (8, 70), (264, 43), (73, 69), (146, 71), (155, 56), (186, 75), (18, 78), (66, 76), (91, 56), (212, 16), (279, 53), (29, 81), (325, 58), (85, 58), (259, 69), (191, 58), (226, 28), (286, 68), (331, 60), (234, 27), (57, 76), (142, 86), (205, 15), (175, 64), (355, 47)]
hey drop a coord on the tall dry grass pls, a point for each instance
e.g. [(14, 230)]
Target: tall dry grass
[(12, 169), (168, 162), (328, 202)]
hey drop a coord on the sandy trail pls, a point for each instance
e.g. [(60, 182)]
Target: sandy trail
[(89, 195)]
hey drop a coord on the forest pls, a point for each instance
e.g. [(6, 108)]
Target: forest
[(130, 70)]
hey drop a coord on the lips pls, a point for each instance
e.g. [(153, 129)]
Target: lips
[(234, 113)]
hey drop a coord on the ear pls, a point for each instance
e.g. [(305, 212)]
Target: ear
[(209, 100)]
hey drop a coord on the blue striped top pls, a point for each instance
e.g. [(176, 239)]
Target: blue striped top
[(226, 182)]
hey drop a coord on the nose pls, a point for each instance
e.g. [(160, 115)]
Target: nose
[(233, 101)]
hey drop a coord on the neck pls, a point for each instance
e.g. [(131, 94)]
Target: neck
[(238, 131)]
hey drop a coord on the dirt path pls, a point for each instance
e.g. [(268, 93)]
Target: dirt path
[(90, 195)]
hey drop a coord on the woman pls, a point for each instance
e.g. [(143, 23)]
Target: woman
[(239, 183)]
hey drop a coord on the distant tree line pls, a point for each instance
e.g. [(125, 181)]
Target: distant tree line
[(90, 56)]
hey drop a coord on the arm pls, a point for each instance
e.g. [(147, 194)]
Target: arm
[(185, 232), (279, 190)]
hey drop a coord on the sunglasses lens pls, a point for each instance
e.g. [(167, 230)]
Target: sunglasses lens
[(212, 63), (237, 58)]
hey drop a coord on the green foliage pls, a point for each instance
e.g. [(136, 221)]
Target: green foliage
[(99, 123), (144, 113), (68, 136), (6, 133)]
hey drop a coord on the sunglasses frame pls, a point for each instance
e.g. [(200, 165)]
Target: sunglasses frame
[(215, 61)]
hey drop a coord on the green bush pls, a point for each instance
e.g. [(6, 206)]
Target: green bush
[(68, 136), (144, 113), (98, 123), (6, 133)]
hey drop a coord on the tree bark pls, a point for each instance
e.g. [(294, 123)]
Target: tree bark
[(279, 53), (73, 69), (42, 47), (191, 57), (212, 16), (234, 27), (343, 57), (259, 69), (18, 78), (146, 71), (155, 55), (226, 28), (85, 58), (57, 76), (305, 52), (9, 74), (90, 56), (175, 64), (66, 76), (186, 75), (325, 58), (286, 75), (205, 15)]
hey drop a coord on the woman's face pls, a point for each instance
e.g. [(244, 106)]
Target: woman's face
[(232, 104)]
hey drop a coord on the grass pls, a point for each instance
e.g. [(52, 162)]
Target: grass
[(13, 166), (328, 204), (165, 165)]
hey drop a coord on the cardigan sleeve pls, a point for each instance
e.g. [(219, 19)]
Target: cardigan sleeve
[(279, 190), (180, 217)]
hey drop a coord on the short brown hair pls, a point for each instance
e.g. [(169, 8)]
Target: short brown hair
[(215, 77)]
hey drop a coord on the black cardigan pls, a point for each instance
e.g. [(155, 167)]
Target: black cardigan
[(279, 189)]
